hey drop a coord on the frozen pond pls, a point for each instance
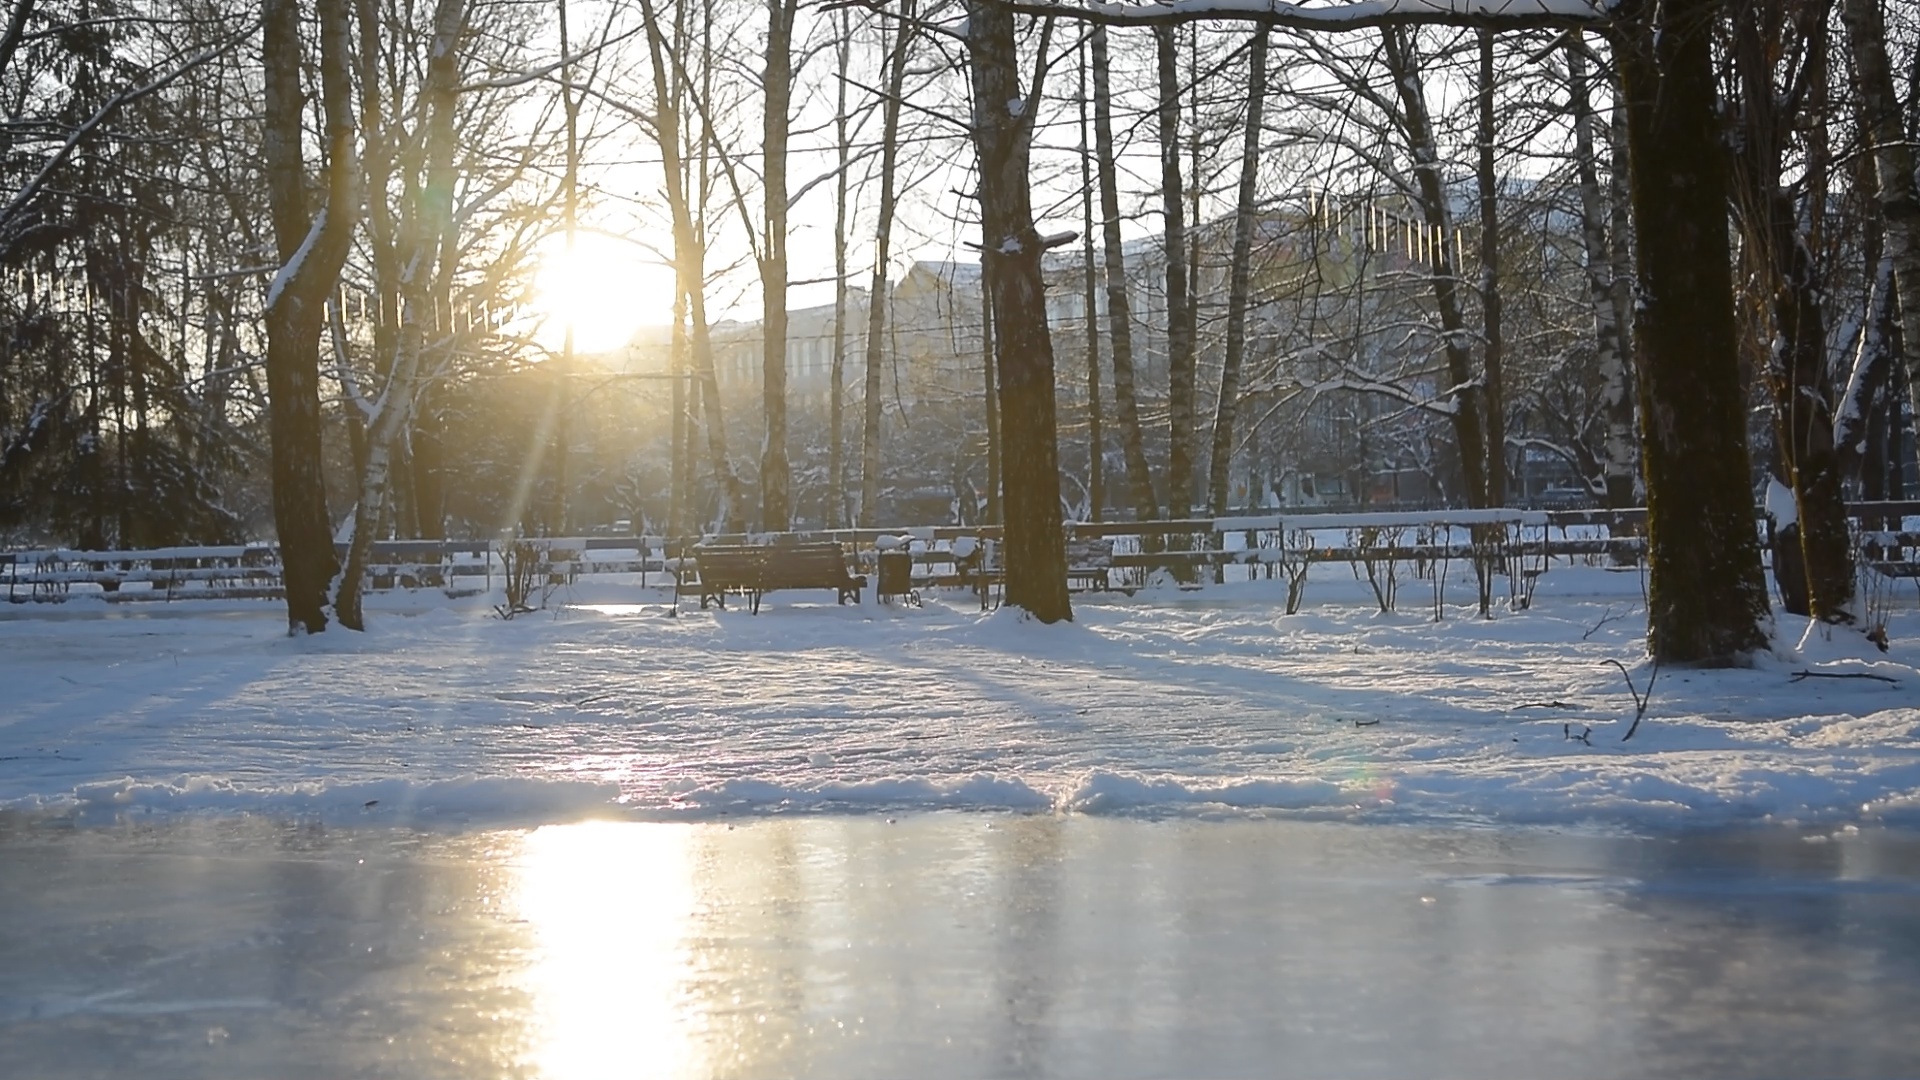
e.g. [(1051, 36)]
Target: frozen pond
[(953, 944)]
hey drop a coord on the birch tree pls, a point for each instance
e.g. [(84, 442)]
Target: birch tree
[(418, 270), (1898, 197), (1618, 459)]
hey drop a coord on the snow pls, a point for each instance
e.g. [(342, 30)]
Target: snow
[(285, 275), (1169, 702), (1779, 504)]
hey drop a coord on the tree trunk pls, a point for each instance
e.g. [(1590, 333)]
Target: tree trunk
[(877, 303), (996, 505), (1464, 394), (775, 473), (1036, 562), (1181, 324), (312, 248), (1240, 281), (1779, 246), (836, 376), (1706, 602), (1893, 166), (1096, 440), (1119, 308), (1493, 359), (689, 264), (430, 224), (1618, 466)]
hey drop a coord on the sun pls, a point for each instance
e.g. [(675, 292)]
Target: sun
[(606, 288)]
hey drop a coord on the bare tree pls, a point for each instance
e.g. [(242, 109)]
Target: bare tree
[(1003, 119), (896, 76), (1119, 306), (432, 220), (312, 246), (1240, 278)]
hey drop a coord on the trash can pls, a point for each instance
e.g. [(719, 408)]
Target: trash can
[(896, 575)]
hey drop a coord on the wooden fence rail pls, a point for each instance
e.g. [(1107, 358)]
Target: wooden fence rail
[(1193, 550)]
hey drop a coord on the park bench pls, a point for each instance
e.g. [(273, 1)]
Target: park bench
[(1893, 554), (1089, 562), (753, 570)]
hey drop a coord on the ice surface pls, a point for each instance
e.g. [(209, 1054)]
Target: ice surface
[(1168, 702), (953, 945)]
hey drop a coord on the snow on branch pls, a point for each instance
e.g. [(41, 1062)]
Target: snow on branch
[(292, 268), (32, 187), (1335, 15)]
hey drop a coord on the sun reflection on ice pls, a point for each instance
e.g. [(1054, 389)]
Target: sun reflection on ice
[(609, 906)]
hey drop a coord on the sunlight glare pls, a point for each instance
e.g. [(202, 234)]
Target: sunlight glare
[(610, 905), (606, 290)]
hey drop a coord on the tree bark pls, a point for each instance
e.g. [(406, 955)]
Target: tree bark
[(1036, 564), (877, 300), (1779, 244), (1096, 438), (775, 472), (430, 226), (1893, 166), (692, 344), (836, 376), (1465, 395), (1618, 464), (1119, 308), (1706, 601), (1181, 324), (1493, 356), (311, 247), (1240, 280)]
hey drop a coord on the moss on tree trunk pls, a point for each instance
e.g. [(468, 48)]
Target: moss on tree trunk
[(1707, 602)]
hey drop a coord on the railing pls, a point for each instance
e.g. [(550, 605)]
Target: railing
[(1525, 542)]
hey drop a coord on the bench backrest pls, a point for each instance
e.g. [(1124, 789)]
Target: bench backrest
[(729, 565), (778, 566), (801, 565), (1090, 552)]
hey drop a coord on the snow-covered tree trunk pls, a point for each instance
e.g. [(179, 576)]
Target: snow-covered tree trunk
[(1619, 464), (434, 218), (1240, 280), (311, 248), (1707, 603), (1126, 402), (1893, 167), (877, 305), (1003, 117)]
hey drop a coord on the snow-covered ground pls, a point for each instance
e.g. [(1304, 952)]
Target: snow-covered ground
[(1167, 702)]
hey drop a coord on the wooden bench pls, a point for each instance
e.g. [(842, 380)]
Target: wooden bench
[(753, 570), (1089, 561)]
